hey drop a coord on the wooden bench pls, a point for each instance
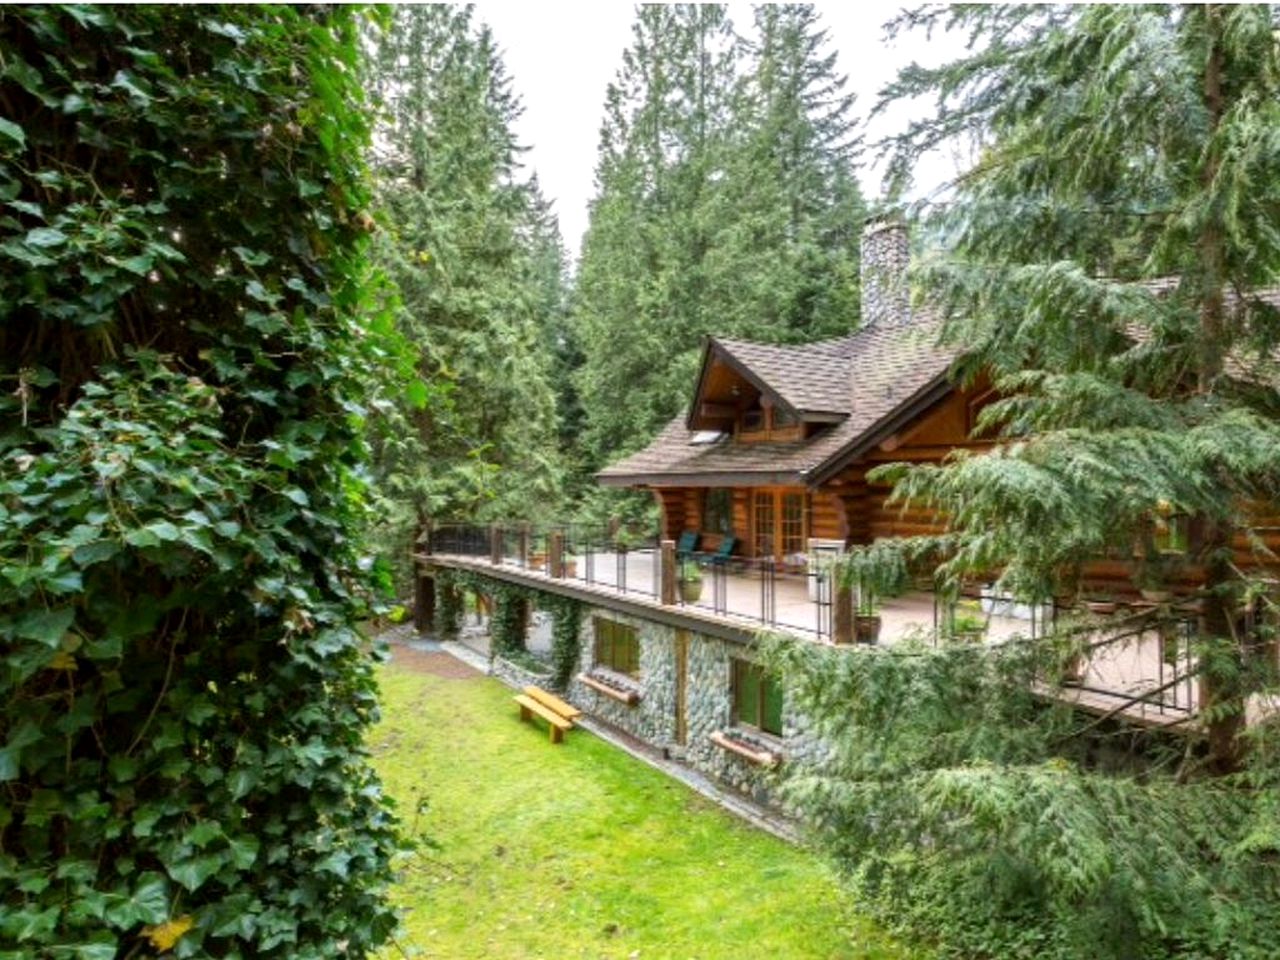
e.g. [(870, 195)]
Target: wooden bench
[(566, 710), (558, 714)]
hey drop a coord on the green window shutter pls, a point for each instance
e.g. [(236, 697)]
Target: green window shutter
[(772, 722), (746, 693)]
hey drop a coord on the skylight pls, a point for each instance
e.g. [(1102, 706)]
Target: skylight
[(703, 437)]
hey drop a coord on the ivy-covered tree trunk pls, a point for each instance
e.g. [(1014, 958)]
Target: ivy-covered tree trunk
[(186, 348)]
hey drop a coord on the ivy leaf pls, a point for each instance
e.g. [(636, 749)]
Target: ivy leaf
[(148, 902), (140, 264), (244, 851), (28, 256), (45, 626), (8, 764), (416, 394), (192, 873), (13, 132), (165, 936), (44, 237), (163, 530), (130, 84), (26, 206)]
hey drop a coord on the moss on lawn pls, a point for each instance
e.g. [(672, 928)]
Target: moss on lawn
[(580, 851)]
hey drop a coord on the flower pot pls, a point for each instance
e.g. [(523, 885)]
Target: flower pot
[(571, 569), (537, 561), (690, 590), (866, 628), (1073, 670)]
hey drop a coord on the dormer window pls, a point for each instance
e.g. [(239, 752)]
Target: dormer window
[(765, 421)]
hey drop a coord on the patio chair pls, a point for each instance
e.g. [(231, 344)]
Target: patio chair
[(724, 553), (687, 545)]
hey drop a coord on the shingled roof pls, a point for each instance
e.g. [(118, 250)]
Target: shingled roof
[(810, 378), (873, 379)]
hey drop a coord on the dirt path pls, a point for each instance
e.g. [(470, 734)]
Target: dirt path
[(436, 664)]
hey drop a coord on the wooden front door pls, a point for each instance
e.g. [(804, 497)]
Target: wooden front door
[(779, 523)]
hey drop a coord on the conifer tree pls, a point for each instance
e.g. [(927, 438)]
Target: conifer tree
[(639, 300), (725, 205), (785, 266), (477, 258), (1108, 264)]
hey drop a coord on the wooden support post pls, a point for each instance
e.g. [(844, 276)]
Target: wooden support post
[(668, 571), (424, 603), (555, 554), (841, 611), (424, 538), (524, 545), (495, 545)]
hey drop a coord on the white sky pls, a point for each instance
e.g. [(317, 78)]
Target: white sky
[(562, 55)]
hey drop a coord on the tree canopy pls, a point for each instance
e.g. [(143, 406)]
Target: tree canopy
[(1107, 264), (475, 253), (725, 204)]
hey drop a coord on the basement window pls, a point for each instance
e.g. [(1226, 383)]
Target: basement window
[(757, 699), (617, 647)]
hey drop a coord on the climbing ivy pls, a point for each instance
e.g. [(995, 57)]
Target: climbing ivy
[(187, 345), (566, 637), (507, 625), (449, 597)]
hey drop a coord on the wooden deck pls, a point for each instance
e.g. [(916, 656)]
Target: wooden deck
[(742, 605)]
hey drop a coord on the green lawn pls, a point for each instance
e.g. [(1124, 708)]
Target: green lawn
[(580, 851)]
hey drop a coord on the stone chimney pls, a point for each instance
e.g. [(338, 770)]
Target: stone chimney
[(885, 300)]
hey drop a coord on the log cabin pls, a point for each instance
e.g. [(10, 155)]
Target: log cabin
[(778, 440)]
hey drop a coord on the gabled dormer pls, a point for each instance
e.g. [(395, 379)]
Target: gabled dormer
[(762, 392)]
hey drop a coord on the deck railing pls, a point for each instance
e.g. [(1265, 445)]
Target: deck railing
[(809, 602), (735, 588)]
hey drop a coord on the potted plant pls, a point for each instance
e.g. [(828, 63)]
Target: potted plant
[(689, 580), (967, 624), (866, 616)]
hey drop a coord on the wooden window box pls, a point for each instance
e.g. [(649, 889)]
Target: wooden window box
[(757, 755), (611, 686)]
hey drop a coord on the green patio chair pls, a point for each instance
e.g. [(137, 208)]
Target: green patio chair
[(687, 545), (724, 553)]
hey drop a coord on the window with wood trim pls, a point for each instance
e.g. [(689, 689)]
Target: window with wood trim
[(757, 699), (717, 511), (617, 647)]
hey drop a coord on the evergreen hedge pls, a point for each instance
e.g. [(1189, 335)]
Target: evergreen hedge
[(185, 348)]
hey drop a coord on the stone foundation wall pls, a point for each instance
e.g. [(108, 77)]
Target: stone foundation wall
[(519, 676), (709, 704)]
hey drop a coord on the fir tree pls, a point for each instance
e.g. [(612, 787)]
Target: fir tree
[(725, 205), (785, 266), (477, 258), (1106, 264)]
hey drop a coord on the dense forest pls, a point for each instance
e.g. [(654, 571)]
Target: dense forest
[(278, 290), (725, 203)]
